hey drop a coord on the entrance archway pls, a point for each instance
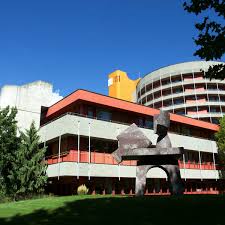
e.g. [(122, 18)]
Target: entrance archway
[(176, 186), (156, 181)]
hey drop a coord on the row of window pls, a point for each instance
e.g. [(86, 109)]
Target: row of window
[(213, 98), (177, 90), (142, 121), (179, 78), (200, 109)]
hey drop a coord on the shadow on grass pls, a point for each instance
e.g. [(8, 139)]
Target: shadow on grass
[(158, 210)]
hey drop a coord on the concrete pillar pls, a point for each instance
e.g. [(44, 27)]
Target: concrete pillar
[(141, 172), (176, 184)]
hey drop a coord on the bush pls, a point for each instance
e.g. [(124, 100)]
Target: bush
[(3, 197), (82, 190)]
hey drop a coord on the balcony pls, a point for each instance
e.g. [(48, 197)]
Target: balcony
[(95, 157), (107, 158), (197, 165)]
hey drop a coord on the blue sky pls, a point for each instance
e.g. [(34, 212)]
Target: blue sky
[(77, 43)]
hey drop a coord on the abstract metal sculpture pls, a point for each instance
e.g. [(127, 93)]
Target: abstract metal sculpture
[(134, 145)]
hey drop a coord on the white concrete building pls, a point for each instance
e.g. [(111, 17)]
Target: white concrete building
[(28, 100)]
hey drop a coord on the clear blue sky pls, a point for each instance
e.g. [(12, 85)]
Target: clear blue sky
[(77, 43)]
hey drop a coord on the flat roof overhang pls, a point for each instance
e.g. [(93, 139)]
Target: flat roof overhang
[(104, 100)]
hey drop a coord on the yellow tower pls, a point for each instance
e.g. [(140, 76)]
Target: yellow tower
[(120, 86)]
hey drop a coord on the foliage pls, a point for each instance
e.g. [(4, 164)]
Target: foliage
[(220, 140), (22, 168), (29, 169), (82, 190), (9, 143), (211, 37)]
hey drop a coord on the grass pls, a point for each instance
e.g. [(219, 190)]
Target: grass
[(93, 210)]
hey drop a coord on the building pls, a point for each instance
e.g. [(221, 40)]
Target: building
[(80, 132), (180, 89), (28, 100), (120, 86)]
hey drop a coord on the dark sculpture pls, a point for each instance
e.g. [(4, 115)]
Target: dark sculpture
[(134, 145)]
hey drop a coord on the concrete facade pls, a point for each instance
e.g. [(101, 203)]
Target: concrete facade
[(104, 170), (80, 142), (28, 100), (182, 89), (68, 124)]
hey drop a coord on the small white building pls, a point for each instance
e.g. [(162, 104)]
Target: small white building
[(28, 100)]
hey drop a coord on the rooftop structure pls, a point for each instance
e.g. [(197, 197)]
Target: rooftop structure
[(120, 86)]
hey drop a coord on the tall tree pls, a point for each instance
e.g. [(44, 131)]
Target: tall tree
[(220, 140), (211, 37), (29, 171), (8, 146)]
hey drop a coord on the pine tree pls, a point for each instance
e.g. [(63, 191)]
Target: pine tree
[(8, 146), (29, 172)]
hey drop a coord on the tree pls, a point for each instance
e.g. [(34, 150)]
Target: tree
[(29, 171), (8, 146), (211, 37), (220, 140)]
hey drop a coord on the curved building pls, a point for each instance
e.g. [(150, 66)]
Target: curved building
[(182, 89)]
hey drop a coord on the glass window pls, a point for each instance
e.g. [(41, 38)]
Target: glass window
[(178, 101), (178, 90), (213, 98), (213, 110), (149, 123), (90, 112), (185, 131), (141, 122), (215, 120), (180, 113), (104, 115)]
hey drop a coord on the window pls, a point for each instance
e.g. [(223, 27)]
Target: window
[(185, 131), (104, 115), (178, 90), (215, 120), (213, 99), (140, 122), (180, 112), (212, 87), (117, 78), (90, 112), (149, 123), (213, 110), (165, 82), (178, 101)]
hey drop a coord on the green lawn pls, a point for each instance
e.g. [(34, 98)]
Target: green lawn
[(93, 210)]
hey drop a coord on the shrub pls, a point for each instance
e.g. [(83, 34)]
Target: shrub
[(82, 190)]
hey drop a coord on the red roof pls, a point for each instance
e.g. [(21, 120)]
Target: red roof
[(124, 105)]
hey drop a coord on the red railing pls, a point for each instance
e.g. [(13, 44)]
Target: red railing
[(96, 157), (107, 158), (196, 165)]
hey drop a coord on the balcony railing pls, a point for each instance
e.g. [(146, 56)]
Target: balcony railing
[(95, 157), (197, 165), (107, 158)]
